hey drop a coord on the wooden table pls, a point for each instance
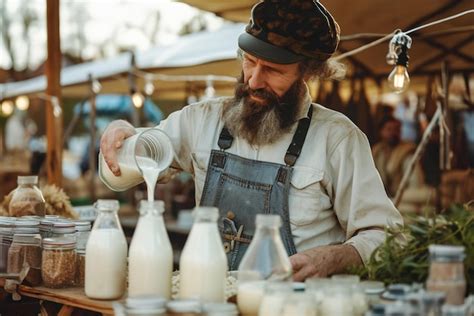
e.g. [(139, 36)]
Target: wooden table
[(70, 300)]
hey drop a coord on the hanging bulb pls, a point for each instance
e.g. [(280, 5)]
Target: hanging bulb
[(210, 92), (398, 79), (57, 111), (138, 99), (96, 86), (149, 87), (22, 103), (7, 107)]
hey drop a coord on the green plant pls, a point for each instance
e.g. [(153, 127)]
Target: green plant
[(404, 257)]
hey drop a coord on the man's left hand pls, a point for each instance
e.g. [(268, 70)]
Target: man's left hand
[(323, 261)]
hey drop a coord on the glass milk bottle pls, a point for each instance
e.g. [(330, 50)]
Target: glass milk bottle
[(150, 255), (106, 254), (203, 263), (265, 259)]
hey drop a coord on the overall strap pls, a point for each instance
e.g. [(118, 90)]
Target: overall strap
[(296, 145)]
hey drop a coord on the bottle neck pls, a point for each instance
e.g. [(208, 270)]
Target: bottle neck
[(107, 219), (264, 231)]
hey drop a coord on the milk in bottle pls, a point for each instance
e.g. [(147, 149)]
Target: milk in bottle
[(203, 263), (106, 254), (150, 255)]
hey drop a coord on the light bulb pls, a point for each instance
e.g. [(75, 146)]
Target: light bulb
[(138, 99), (398, 79), (96, 86), (22, 103), (7, 107)]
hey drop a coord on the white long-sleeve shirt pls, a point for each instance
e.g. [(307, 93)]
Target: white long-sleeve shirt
[(336, 194)]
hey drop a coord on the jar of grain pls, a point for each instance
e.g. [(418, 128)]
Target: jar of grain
[(80, 267), (27, 199), (447, 272), (59, 262), (25, 250)]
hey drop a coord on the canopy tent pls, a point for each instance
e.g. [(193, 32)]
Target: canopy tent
[(204, 53), (452, 40)]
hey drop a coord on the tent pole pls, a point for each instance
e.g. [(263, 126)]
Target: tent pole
[(92, 153), (132, 82), (54, 119)]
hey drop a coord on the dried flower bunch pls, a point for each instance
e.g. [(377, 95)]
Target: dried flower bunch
[(57, 202)]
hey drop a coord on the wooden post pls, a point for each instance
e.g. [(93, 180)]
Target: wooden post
[(54, 123), (92, 153), (132, 82)]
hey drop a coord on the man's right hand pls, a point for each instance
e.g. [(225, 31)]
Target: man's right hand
[(112, 140)]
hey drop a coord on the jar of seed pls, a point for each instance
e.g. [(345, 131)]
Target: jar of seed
[(58, 265), (447, 272), (25, 250), (80, 267)]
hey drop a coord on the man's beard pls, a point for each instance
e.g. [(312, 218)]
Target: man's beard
[(262, 123)]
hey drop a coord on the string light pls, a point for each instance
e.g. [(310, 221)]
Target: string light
[(22, 103), (399, 79), (96, 86), (7, 107), (138, 99), (149, 87)]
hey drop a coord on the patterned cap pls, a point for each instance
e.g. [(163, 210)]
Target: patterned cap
[(288, 31)]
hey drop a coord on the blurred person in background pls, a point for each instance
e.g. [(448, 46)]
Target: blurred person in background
[(392, 157)]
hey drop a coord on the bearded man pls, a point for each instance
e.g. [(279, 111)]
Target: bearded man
[(269, 149)]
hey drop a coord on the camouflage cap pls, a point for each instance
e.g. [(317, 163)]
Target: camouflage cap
[(288, 31)]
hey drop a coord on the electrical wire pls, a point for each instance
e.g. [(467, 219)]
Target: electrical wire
[(381, 40)]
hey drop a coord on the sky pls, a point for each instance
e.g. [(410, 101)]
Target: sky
[(101, 21)]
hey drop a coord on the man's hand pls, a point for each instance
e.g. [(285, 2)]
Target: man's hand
[(323, 261), (112, 140)]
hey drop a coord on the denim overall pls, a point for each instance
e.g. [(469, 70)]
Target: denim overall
[(242, 188)]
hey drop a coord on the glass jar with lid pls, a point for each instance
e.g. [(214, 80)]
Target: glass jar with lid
[(26, 250), (299, 303), (145, 306), (265, 260), (337, 300), (372, 290), (220, 309), (274, 296), (27, 199), (6, 237), (58, 265), (446, 272), (184, 307), (83, 230), (106, 254)]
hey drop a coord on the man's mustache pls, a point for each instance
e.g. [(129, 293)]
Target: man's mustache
[(269, 96)]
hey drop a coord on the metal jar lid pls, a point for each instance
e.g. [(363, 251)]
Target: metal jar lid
[(82, 226), (59, 243), (446, 253), (227, 309), (184, 306), (145, 305), (63, 227), (26, 226)]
